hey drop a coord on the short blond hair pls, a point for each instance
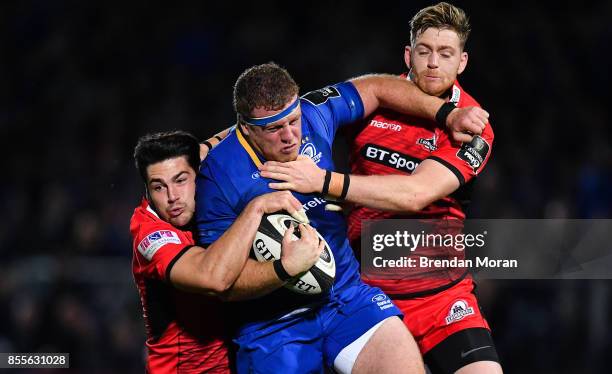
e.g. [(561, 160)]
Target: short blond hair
[(440, 16)]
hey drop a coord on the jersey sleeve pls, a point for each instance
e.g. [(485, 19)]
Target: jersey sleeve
[(157, 246), (466, 160), (214, 206), (332, 107)]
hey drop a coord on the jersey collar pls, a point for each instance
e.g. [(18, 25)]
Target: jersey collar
[(253, 154), (147, 206)]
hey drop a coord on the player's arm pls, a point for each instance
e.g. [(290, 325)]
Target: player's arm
[(437, 176), (401, 95), (430, 181), (260, 278), (444, 171), (215, 269), (210, 143), (256, 279)]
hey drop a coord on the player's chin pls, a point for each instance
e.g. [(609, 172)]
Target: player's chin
[(434, 89), (287, 156), (181, 220)]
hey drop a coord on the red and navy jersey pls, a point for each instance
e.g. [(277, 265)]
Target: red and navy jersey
[(394, 143), (185, 332)]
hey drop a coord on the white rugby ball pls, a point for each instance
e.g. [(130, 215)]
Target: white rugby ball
[(267, 247)]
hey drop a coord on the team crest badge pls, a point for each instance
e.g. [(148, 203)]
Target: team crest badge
[(458, 311), (428, 144), (310, 151)]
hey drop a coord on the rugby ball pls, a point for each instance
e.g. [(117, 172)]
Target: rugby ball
[(267, 247)]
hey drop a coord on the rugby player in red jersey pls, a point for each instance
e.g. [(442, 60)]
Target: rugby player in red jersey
[(403, 166), (185, 331)]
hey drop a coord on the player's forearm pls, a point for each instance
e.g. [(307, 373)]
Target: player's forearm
[(225, 258), (210, 143), (430, 181), (397, 94), (218, 137), (388, 192), (257, 279)]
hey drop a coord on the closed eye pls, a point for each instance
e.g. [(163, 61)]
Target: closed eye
[(273, 129)]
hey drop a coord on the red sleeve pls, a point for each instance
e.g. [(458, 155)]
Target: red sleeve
[(157, 246), (465, 160)]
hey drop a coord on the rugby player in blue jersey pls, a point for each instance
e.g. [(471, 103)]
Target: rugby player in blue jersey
[(353, 327)]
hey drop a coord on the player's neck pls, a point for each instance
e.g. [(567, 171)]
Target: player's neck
[(446, 94)]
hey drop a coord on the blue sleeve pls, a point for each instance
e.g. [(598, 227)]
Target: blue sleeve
[(214, 208), (332, 107)]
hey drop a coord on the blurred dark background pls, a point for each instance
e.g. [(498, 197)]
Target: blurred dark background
[(81, 81)]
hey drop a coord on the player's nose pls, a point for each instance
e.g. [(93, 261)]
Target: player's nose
[(432, 61), (172, 194), (286, 134)]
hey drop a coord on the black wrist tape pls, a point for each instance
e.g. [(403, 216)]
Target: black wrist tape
[(280, 271), (345, 186), (328, 175), (207, 143), (443, 113)]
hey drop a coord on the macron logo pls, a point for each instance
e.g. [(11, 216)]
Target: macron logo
[(385, 125)]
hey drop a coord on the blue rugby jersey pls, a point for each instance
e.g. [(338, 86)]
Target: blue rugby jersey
[(229, 179)]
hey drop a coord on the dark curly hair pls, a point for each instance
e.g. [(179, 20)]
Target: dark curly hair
[(266, 86), (161, 146)]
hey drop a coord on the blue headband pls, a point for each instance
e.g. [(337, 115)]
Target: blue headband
[(263, 121)]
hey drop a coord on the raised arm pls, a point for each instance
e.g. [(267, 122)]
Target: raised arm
[(401, 95)]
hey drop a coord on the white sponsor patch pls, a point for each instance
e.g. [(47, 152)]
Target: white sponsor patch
[(456, 96), (154, 241), (382, 301), (458, 311)]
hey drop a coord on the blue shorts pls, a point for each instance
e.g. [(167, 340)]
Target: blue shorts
[(306, 342)]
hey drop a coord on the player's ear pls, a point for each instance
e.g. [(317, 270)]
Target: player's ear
[(407, 52), (244, 128), (147, 194), (150, 200), (462, 62)]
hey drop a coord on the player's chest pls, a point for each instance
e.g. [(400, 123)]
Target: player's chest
[(400, 133), (396, 142)]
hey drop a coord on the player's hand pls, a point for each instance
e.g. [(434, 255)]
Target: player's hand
[(301, 175), (298, 256), (464, 123), (282, 200)]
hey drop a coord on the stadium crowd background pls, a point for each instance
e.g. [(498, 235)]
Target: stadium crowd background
[(81, 81)]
